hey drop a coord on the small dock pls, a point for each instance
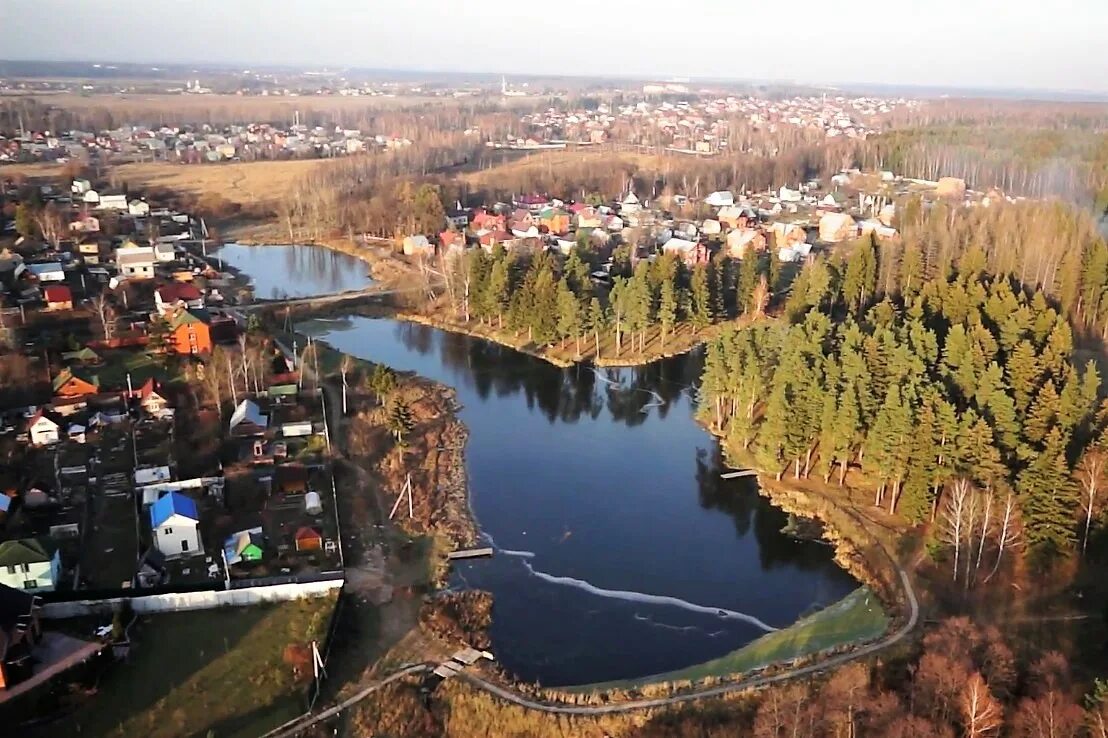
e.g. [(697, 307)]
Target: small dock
[(739, 473), (470, 553)]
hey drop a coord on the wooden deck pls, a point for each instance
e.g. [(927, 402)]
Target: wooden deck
[(470, 553)]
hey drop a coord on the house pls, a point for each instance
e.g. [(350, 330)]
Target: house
[(20, 631), (150, 399), (80, 186), (58, 297), (50, 271), (630, 203), (30, 564), (244, 547), (836, 227), (164, 251), (44, 429), (711, 227), (555, 220), (89, 251), (488, 221), (740, 242), (175, 295), (91, 197), (135, 262), (452, 241), (137, 208), (248, 420), (190, 332), (112, 202), (417, 246), (685, 250), (307, 539), (458, 217), (589, 217), (720, 199), (733, 217), (175, 523), (74, 383)]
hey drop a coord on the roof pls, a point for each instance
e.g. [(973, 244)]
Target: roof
[(306, 533), (172, 504), (66, 375), (134, 255), (178, 291), (84, 354), (58, 293), (26, 551), (45, 268), (186, 317), (248, 411)]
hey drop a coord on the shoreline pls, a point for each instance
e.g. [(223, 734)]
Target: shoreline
[(866, 560)]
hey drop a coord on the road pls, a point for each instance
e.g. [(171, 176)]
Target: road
[(553, 708)]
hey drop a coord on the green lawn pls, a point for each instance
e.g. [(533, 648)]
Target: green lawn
[(858, 616), (220, 670)]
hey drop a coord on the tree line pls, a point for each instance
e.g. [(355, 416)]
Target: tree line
[(956, 395)]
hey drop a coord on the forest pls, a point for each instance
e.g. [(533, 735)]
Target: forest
[(945, 371)]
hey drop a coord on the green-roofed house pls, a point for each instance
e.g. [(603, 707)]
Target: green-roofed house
[(30, 564), (190, 331), (84, 356)]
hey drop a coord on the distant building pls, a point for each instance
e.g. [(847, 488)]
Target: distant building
[(190, 332), (135, 262)]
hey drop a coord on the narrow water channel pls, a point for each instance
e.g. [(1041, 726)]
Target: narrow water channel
[(620, 551), (278, 272)]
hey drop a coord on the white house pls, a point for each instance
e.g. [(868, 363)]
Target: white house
[(135, 262), (44, 430), (91, 197), (30, 564), (720, 199), (175, 523), (80, 186), (164, 252), (112, 202), (138, 208)]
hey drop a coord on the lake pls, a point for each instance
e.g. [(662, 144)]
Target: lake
[(620, 551), (296, 270)]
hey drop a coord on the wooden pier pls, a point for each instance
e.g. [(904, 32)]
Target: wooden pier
[(470, 553), (739, 473)]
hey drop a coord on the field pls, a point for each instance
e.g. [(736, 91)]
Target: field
[(243, 184), (857, 617), (214, 670)]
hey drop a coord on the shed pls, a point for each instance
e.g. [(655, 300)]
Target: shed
[(244, 546), (313, 504), (308, 539)]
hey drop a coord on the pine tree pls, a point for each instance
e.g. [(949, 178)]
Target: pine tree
[(667, 309), (597, 322), (748, 281), (701, 297), (569, 315), (497, 288), (1023, 373), (1047, 501)]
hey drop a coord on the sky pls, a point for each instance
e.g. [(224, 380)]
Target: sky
[(1012, 44)]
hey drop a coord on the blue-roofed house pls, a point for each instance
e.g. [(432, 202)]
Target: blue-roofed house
[(175, 522)]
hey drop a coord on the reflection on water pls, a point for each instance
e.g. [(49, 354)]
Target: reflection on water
[(621, 552), (295, 271)]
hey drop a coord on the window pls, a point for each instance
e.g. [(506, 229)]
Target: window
[(168, 531), (30, 584), (184, 544), (11, 569), (25, 568)]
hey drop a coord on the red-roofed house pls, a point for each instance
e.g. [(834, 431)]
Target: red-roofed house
[(58, 297), (151, 399), (172, 295), (452, 240), (483, 220)]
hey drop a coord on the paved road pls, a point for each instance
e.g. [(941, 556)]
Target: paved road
[(718, 690)]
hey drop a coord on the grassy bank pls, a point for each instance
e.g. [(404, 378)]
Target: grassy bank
[(855, 618), (222, 671)]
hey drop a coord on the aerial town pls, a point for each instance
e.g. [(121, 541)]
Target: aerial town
[(584, 379)]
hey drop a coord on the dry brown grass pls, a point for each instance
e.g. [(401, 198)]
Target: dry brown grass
[(242, 183), (552, 160)]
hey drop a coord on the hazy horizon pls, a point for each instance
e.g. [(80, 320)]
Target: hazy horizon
[(947, 44)]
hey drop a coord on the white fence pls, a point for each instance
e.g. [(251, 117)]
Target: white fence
[(176, 602)]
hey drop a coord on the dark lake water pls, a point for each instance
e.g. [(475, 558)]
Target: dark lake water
[(296, 271), (620, 551)]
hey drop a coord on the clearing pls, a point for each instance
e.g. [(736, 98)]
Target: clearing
[(220, 670)]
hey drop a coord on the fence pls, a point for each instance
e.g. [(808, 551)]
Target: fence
[(202, 600)]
